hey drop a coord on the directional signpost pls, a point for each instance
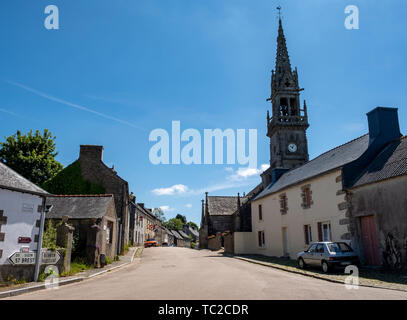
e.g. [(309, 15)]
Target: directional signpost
[(21, 258)]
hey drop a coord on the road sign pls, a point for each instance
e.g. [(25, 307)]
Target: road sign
[(50, 257), (22, 258), (25, 258)]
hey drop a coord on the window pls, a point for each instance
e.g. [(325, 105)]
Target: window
[(283, 203), (261, 242), (312, 248), (324, 231), (109, 232), (307, 234), (339, 247), (260, 212), (306, 197), (320, 248)]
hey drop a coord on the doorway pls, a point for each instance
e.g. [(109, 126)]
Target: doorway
[(370, 241)]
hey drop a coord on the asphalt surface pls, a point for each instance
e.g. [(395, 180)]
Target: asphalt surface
[(181, 273)]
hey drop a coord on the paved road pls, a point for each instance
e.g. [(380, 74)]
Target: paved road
[(180, 273)]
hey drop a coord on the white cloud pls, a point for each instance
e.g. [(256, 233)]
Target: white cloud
[(166, 208), (244, 173), (175, 189), (188, 205)]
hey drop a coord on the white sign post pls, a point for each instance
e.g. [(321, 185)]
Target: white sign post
[(26, 258)]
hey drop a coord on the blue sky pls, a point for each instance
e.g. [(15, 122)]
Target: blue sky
[(116, 70)]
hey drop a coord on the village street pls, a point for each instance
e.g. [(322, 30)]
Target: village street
[(182, 273)]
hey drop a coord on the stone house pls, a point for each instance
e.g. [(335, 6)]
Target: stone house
[(309, 203), (178, 239), (21, 204), (95, 221), (89, 175), (186, 238), (191, 231), (217, 216), (377, 208), (137, 222)]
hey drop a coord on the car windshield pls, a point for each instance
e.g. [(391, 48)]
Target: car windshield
[(339, 247)]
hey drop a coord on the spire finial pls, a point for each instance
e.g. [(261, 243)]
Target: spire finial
[(279, 12)]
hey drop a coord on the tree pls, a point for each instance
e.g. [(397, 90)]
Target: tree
[(193, 225), (159, 213), (174, 224), (182, 218), (31, 155)]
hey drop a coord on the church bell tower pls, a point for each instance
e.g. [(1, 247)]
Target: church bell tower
[(288, 123)]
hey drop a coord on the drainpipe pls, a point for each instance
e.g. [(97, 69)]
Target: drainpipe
[(45, 209)]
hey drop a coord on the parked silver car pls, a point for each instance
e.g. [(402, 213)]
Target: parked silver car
[(327, 255)]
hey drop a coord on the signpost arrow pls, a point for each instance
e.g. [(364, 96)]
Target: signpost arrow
[(25, 258)]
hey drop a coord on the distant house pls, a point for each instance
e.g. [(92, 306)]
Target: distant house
[(186, 238), (137, 222), (21, 204), (178, 239), (217, 216), (95, 221), (192, 232)]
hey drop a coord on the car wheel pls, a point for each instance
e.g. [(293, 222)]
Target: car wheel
[(325, 267), (301, 263)]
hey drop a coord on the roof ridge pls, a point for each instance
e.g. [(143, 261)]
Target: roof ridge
[(80, 195), (1, 162)]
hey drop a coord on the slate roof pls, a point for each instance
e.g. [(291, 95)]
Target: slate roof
[(176, 234), (327, 161), (9, 179), (391, 162), (183, 234), (79, 207), (194, 231), (223, 205)]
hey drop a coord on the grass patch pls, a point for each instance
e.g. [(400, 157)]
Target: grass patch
[(78, 265)]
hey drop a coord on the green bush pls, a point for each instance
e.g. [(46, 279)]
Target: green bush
[(108, 261), (70, 181), (49, 239), (116, 258), (193, 245)]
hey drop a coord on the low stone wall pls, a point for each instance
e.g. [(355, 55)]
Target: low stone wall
[(244, 242), (215, 243), (228, 243)]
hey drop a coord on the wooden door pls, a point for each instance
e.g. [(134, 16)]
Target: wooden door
[(370, 241)]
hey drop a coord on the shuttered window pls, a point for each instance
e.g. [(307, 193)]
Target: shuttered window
[(307, 234)]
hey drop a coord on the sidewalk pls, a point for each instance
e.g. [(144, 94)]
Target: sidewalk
[(133, 253), (367, 277)]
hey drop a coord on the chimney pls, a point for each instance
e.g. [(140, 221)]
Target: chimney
[(89, 152), (383, 125), (141, 205)]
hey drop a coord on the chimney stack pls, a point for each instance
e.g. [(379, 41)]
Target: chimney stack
[(383, 125), (90, 152)]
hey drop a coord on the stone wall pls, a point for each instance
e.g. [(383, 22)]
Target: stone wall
[(94, 170), (220, 223), (228, 243), (215, 243), (387, 201)]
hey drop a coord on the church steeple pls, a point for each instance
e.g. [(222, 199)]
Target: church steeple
[(283, 64), (288, 123)]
